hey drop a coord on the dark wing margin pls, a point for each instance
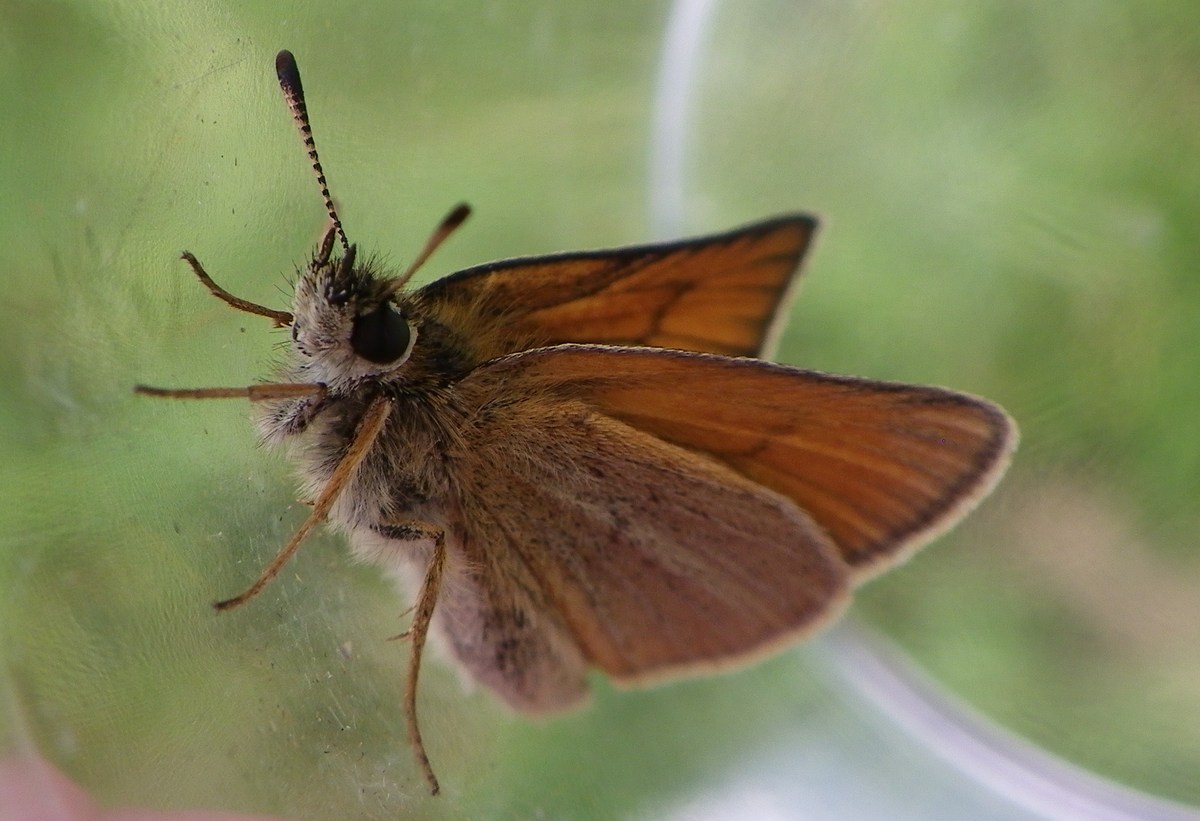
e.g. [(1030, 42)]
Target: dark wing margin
[(724, 293)]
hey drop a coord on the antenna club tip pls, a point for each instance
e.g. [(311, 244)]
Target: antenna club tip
[(285, 60), (458, 215), (288, 72)]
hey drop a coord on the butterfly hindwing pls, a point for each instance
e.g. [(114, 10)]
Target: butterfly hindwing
[(658, 561)]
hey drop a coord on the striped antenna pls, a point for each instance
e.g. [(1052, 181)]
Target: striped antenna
[(445, 228), (293, 92)]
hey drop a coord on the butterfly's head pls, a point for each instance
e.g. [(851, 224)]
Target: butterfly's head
[(347, 322)]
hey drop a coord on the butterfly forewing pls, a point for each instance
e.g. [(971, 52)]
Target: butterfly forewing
[(881, 467), (718, 294)]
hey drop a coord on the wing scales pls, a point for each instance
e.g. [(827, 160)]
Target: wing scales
[(882, 467), (720, 294), (659, 561)]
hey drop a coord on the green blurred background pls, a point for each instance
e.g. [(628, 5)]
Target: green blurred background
[(1010, 193)]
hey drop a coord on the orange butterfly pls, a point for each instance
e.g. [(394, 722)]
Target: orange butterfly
[(579, 461)]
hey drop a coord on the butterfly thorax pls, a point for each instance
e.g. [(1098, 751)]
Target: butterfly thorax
[(361, 341)]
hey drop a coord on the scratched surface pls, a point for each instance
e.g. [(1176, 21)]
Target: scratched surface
[(1008, 204)]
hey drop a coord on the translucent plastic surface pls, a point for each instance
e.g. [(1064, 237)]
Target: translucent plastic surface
[(1009, 196)]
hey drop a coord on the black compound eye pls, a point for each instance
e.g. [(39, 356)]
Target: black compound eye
[(381, 336)]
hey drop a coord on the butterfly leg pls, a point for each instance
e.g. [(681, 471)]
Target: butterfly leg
[(419, 629), (368, 429), (282, 318)]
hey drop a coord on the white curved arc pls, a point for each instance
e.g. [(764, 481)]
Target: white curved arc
[(683, 44)]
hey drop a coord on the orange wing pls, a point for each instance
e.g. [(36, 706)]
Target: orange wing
[(652, 560), (717, 294), (881, 467)]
